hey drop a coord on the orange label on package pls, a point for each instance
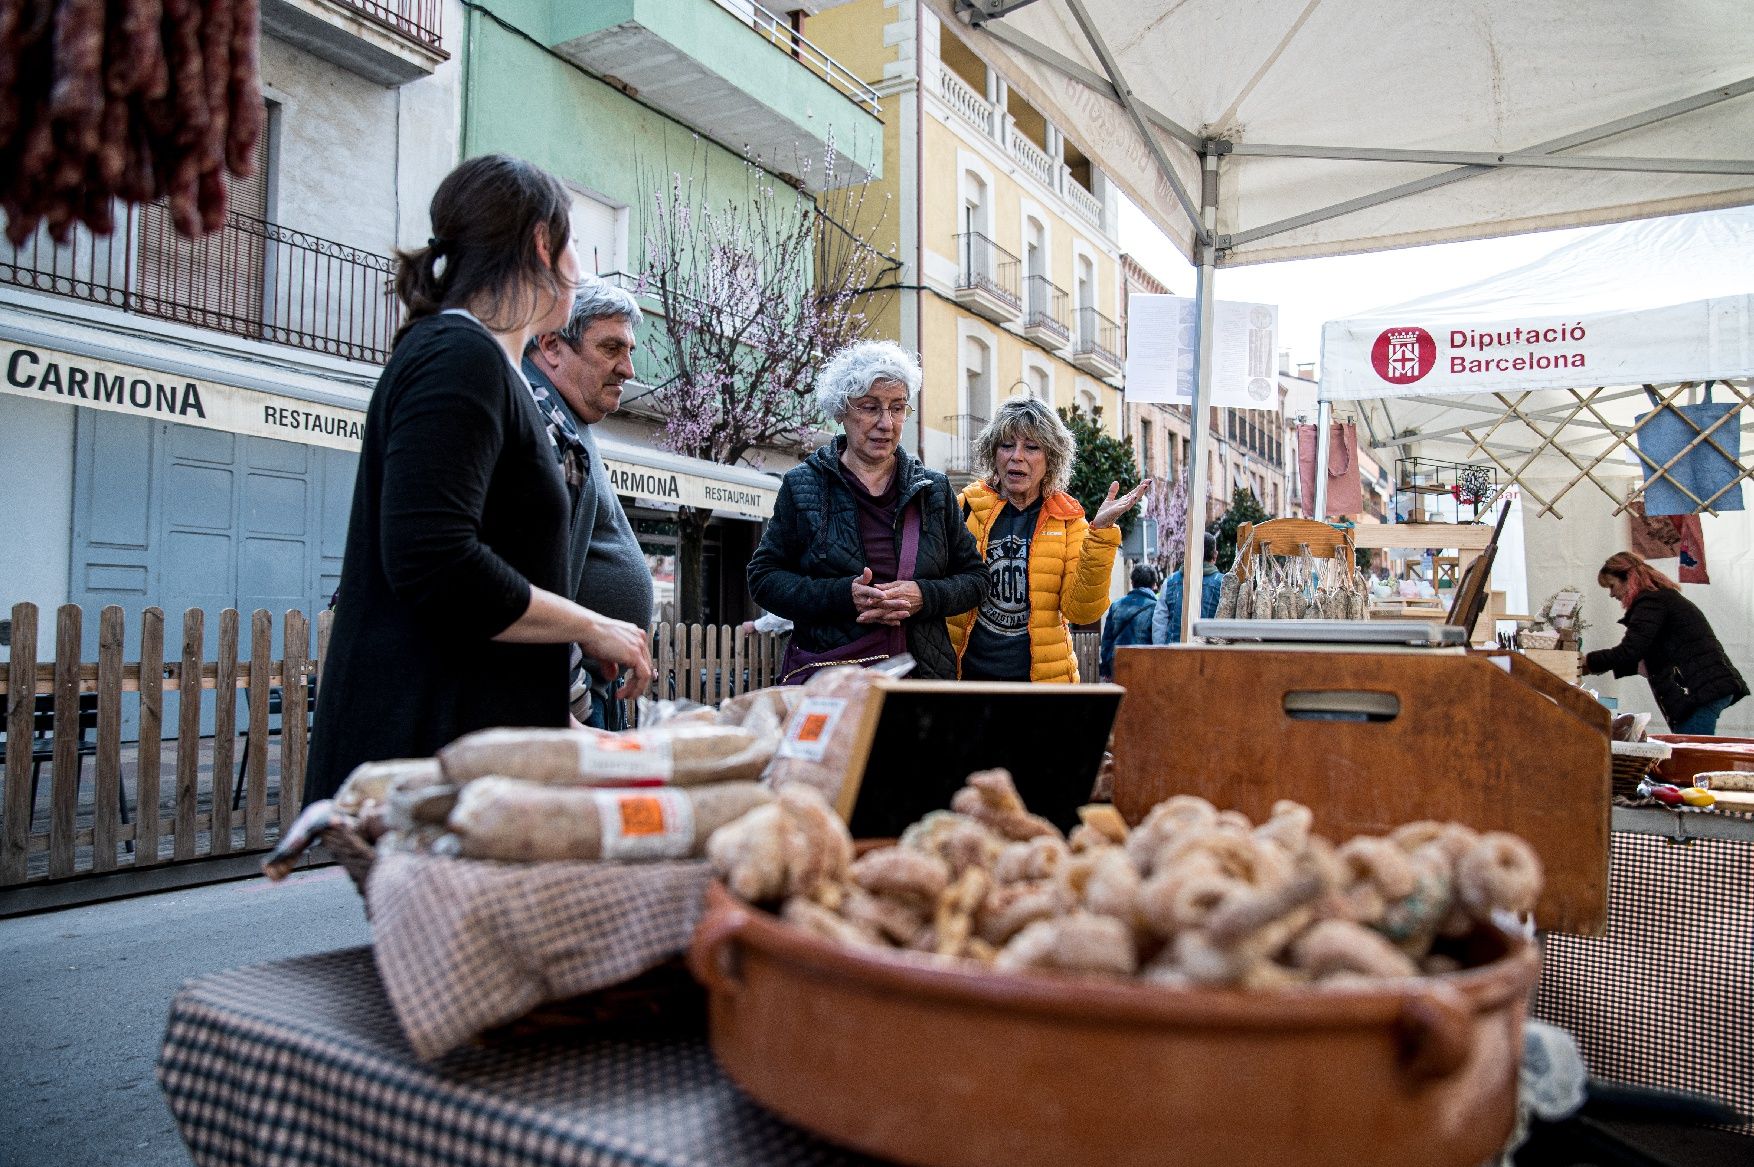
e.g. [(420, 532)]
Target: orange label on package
[(645, 824), (811, 727), (643, 815)]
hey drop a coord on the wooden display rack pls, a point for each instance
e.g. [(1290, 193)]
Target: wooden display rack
[(1469, 540), (1369, 740)]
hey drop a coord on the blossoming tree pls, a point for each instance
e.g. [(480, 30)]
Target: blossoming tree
[(754, 292)]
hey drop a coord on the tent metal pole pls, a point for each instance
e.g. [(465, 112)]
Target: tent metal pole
[(1203, 231), (1485, 158), (1199, 409), (1324, 418)]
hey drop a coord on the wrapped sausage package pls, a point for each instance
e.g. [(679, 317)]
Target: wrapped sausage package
[(680, 752), (511, 819), (829, 731)]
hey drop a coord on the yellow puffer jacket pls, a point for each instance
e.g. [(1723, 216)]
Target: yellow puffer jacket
[(1069, 567)]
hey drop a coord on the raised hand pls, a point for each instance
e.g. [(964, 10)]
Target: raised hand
[(1113, 508)]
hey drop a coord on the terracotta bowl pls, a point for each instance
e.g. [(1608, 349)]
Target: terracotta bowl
[(949, 1068)]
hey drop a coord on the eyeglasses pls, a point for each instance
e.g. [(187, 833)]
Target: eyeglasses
[(872, 410)]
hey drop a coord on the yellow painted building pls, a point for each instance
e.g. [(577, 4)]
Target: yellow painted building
[(1011, 273)]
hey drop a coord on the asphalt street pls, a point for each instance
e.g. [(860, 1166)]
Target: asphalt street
[(85, 993)]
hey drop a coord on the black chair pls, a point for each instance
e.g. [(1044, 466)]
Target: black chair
[(42, 740), (274, 711)]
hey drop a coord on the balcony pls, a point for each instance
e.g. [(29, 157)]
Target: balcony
[(251, 278), (388, 42), (1097, 347), (737, 73), (986, 283), (964, 429), (1044, 313), (997, 124)]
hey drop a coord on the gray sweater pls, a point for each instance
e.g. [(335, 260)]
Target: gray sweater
[(606, 570)]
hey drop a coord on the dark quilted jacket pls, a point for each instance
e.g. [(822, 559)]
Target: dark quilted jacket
[(1683, 659), (811, 554)]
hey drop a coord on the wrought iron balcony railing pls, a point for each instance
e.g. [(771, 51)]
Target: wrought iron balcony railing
[(964, 429), (251, 278), (1044, 309), (1098, 337), (989, 268), (418, 20)]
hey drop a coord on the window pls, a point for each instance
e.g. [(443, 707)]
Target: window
[(1035, 256), (977, 386), (974, 203), (599, 232), (1086, 300), (1147, 451), (1087, 402)]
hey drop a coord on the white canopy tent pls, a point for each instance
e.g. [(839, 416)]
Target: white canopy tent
[(1260, 130), (1564, 433)]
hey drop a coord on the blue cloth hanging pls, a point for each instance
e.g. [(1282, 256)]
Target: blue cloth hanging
[(1704, 470)]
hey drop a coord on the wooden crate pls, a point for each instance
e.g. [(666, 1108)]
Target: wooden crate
[(1466, 740), (1562, 663)]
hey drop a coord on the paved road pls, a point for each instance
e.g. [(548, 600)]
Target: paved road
[(85, 992)]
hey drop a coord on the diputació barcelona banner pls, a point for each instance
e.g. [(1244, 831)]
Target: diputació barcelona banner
[(1408, 357)]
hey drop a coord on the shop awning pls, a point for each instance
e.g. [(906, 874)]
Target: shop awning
[(671, 480)]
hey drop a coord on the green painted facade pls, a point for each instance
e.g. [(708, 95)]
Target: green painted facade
[(520, 97)]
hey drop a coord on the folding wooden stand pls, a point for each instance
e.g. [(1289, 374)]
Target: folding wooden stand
[(1369, 740)]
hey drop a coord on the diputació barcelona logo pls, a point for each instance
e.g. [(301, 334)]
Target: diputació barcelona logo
[(1401, 356)]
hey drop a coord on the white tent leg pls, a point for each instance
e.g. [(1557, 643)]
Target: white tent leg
[(1194, 555), (1324, 419)]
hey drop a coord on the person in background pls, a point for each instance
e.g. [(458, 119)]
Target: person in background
[(1669, 643), (1166, 623), (830, 560), (1049, 567), (1129, 618), (576, 373), (455, 565)]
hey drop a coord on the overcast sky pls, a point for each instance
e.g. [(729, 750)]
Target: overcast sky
[(1310, 292)]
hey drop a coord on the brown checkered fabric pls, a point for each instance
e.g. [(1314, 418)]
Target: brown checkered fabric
[(302, 1064), (465, 945), (1666, 997)]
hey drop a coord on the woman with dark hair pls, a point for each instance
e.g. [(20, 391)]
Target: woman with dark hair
[(451, 616), (1049, 567), (1669, 642)]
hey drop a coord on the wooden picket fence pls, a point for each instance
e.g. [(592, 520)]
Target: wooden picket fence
[(194, 827), (187, 813)]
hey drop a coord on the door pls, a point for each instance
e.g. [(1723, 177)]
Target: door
[(180, 518)]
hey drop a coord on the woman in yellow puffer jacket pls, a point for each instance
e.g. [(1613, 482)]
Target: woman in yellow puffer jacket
[(1049, 568)]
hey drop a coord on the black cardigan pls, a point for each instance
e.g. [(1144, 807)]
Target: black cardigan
[(459, 508), (811, 552), (1683, 659)]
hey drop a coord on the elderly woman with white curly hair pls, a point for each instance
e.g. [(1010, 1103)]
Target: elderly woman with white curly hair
[(867, 554)]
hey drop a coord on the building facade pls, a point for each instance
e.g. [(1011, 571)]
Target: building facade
[(1010, 279), (623, 100), (179, 422)]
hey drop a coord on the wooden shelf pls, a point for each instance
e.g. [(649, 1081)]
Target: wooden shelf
[(1461, 536)]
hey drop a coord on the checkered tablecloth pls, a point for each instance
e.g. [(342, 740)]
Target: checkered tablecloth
[(1666, 997), (302, 1063)]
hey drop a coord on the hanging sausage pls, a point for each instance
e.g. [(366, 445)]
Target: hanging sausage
[(133, 100)]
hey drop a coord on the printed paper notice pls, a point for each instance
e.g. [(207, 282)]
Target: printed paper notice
[(1163, 351)]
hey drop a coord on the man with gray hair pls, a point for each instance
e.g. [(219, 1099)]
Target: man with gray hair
[(575, 375)]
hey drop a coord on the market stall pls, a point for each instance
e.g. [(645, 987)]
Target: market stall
[(1567, 422), (1312, 130)]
